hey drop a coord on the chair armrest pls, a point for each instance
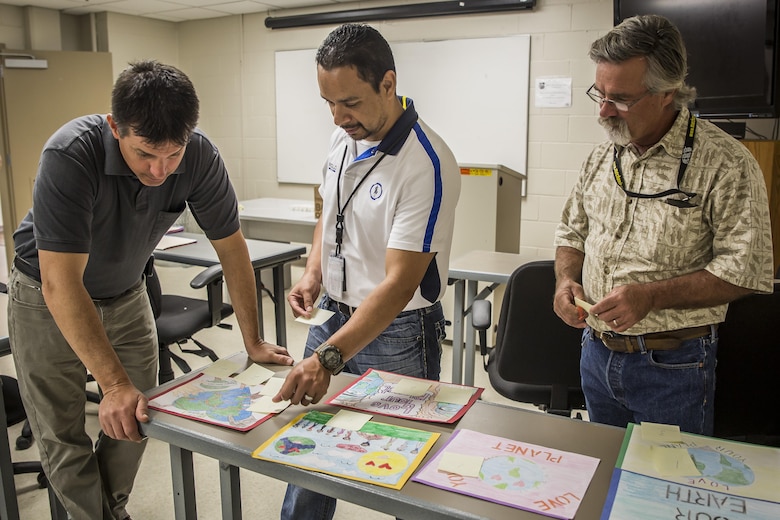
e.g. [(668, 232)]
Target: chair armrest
[(480, 314), (207, 276), (211, 279)]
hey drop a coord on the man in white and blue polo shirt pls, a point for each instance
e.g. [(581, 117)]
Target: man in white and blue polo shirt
[(382, 245)]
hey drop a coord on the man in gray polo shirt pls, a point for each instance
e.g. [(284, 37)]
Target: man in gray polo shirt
[(107, 189)]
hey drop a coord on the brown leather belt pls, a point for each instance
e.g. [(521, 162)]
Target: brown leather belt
[(669, 340)]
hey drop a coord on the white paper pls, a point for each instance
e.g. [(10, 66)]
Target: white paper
[(254, 375), (272, 386), (318, 317), (349, 420), (168, 241), (265, 405), (221, 368), (552, 92)]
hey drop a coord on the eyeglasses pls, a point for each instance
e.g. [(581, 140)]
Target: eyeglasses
[(621, 106)]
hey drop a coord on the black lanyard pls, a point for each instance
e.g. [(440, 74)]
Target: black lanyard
[(685, 158), (339, 207)]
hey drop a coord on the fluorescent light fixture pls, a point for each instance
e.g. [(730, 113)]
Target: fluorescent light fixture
[(20, 63)]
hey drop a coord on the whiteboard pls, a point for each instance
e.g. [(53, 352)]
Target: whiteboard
[(472, 92)]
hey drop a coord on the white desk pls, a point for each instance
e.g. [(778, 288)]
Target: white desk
[(264, 255), (279, 220), (474, 267)]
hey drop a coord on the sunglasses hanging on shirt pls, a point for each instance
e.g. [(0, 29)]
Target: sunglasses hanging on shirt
[(685, 158)]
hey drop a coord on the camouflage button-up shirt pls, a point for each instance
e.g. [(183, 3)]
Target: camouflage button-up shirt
[(632, 240)]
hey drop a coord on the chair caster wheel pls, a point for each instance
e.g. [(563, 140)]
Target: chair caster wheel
[(22, 443)]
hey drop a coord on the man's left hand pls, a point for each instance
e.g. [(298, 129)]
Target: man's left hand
[(306, 384), (624, 306), (264, 352)]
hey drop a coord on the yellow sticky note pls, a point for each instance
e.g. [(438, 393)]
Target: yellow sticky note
[(265, 405), (272, 386), (454, 395), (349, 420), (221, 368), (463, 465), (318, 317), (254, 375), (673, 462), (411, 387), (660, 433), (582, 303)]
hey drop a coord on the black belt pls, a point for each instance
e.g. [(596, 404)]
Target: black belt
[(27, 268), (345, 309)]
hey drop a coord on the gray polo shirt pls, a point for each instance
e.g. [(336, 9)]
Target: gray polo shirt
[(87, 200)]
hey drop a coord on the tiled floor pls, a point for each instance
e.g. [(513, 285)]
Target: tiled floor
[(152, 498)]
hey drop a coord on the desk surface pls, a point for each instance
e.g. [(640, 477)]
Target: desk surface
[(262, 253), (414, 500), (292, 211), (488, 266)]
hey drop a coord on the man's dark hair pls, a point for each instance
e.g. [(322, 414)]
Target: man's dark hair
[(156, 101), (360, 46)]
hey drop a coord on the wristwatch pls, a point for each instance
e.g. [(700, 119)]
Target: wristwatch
[(330, 358)]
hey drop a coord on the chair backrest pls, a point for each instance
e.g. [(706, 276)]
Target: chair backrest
[(153, 288), (533, 345), (747, 373)]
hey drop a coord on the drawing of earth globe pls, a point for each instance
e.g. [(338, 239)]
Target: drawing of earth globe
[(721, 468), (294, 445), (510, 473)]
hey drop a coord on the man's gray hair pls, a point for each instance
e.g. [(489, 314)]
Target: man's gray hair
[(657, 40)]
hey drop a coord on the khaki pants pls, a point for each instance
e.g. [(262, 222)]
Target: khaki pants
[(52, 381)]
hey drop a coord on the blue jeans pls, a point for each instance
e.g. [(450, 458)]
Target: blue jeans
[(410, 345), (661, 386)]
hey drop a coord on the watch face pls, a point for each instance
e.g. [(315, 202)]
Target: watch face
[(332, 358)]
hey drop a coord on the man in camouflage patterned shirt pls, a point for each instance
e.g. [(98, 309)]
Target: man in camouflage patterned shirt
[(667, 223)]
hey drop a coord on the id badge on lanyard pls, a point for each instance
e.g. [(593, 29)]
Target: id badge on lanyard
[(336, 284)]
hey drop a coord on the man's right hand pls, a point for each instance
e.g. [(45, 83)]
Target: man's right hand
[(121, 408), (564, 305), (304, 294)]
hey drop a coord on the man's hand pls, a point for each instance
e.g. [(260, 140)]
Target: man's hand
[(264, 352), (121, 408), (306, 384), (624, 306), (564, 305), (303, 295)]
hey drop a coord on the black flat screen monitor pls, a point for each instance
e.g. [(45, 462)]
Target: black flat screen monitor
[(733, 58)]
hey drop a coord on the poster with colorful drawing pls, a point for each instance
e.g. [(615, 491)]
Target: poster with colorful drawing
[(377, 453), (513, 473), (386, 393), (695, 477), (215, 400)]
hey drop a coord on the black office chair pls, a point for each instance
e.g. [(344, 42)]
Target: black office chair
[(747, 371), (536, 358), (178, 318)]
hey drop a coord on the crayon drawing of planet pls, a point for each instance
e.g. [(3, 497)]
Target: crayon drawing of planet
[(513, 474), (294, 446)]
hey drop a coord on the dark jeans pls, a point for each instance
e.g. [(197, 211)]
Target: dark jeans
[(661, 386)]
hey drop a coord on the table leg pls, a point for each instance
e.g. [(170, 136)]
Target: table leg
[(259, 289), (183, 477), (457, 332), (281, 306), (468, 373), (230, 487)]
